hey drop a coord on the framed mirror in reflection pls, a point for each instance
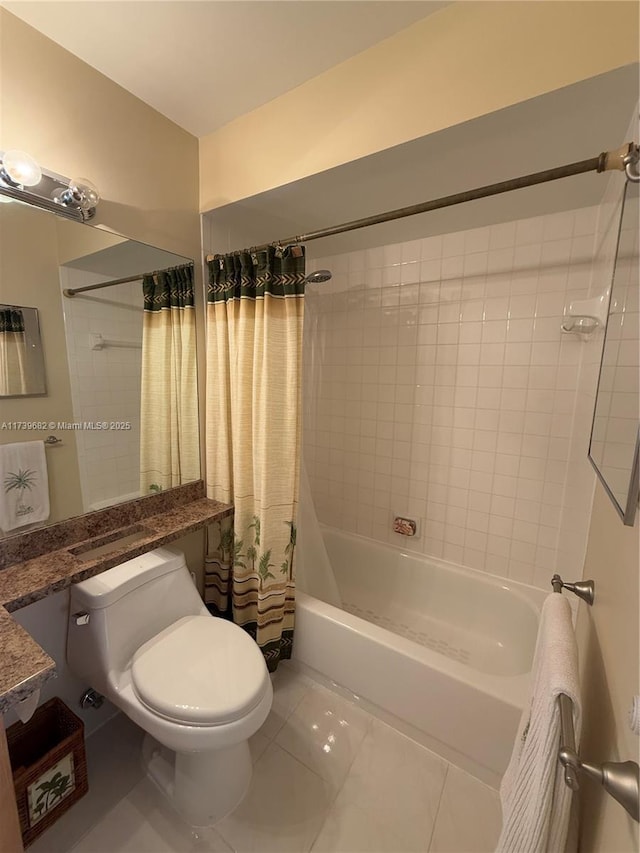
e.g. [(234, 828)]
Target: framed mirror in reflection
[(615, 435), (21, 359), (119, 356)]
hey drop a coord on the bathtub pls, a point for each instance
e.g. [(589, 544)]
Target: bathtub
[(443, 649), (117, 499)]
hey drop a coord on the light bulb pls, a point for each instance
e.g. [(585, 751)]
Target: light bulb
[(80, 193), (85, 192), (20, 169)]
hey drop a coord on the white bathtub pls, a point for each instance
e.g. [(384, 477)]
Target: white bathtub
[(117, 499), (445, 649)]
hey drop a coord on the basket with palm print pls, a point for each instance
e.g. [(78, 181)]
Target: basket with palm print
[(49, 766)]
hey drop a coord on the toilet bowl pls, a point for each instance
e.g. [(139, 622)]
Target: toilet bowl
[(198, 685)]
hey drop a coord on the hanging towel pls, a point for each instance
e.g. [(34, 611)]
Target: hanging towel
[(24, 496), (536, 802)]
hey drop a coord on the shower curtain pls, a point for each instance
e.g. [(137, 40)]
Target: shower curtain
[(13, 353), (169, 438), (254, 356)]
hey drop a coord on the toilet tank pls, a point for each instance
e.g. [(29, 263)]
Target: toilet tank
[(127, 605)]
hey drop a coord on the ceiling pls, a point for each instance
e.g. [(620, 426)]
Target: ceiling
[(203, 63), (570, 124)]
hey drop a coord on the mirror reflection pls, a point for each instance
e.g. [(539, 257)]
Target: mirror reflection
[(614, 437), (120, 362), (21, 362)]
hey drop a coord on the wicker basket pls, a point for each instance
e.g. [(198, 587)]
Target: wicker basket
[(49, 766)]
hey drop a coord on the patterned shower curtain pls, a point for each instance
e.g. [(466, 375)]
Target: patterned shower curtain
[(13, 353), (169, 436), (254, 355)]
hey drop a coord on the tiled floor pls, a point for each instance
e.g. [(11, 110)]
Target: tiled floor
[(328, 777)]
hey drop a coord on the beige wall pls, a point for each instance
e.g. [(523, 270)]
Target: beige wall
[(462, 62), (77, 122), (77, 242), (608, 636)]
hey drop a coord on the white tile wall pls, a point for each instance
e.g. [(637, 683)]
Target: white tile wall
[(439, 385), (105, 384)]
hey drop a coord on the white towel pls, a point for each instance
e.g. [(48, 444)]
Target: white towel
[(536, 802), (24, 485)]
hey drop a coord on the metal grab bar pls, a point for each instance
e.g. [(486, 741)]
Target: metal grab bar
[(620, 779)]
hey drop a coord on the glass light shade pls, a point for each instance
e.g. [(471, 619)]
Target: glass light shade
[(20, 168), (85, 194)]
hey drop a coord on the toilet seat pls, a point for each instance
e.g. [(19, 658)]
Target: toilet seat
[(201, 670)]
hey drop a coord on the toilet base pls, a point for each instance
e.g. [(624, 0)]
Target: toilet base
[(203, 787)]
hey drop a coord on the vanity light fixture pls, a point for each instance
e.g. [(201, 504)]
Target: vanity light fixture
[(22, 179), (19, 169)]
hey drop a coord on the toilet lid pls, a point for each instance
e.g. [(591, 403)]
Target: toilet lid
[(201, 670)]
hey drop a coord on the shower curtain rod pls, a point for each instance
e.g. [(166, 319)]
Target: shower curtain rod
[(607, 161), (71, 291)]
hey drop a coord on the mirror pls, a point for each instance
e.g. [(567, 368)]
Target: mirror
[(615, 433), (108, 403), (21, 362)]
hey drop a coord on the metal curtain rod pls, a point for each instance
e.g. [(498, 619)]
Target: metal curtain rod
[(71, 291), (607, 161)]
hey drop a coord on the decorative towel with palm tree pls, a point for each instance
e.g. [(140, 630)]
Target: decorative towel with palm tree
[(254, 357)]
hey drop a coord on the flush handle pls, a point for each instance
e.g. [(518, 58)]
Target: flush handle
[(81, 618)]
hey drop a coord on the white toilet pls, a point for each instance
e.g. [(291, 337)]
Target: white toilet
[(198, 685)]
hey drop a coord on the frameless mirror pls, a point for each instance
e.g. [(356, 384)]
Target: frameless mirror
[(615, 434), (121, 422), (21, 359)]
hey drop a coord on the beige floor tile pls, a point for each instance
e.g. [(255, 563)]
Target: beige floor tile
[(325, 732), (349, 829), (282, 813), (469, 818), (289, 686), (398, 783), (143, 822)]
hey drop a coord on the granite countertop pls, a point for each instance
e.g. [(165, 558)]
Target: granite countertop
[(24, 666)]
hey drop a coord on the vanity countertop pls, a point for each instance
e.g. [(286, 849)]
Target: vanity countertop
[(24, 666)]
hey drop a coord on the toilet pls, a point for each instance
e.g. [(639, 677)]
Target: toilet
[(197, 684)]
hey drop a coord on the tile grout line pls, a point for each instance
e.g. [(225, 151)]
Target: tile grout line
[(289, 713), (346, 776), (313, 687), (272, 742), (437, 812), (300, 761)]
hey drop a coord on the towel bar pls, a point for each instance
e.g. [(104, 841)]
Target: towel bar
[(585, 590), (620, 779)]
